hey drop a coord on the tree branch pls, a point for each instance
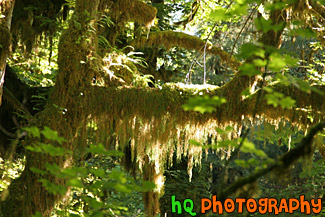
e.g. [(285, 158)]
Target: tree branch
[(169, 39), (303, 149)]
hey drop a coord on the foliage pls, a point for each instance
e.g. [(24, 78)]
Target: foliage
[(99, 186)]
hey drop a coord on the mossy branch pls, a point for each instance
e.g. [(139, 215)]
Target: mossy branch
[(135, 11), (169, 39), (166, 103), (303, 149)]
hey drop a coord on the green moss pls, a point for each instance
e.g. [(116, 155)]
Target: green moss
[(169, 39)]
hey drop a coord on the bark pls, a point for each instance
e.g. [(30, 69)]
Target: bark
[(151, 198), (6, 9)]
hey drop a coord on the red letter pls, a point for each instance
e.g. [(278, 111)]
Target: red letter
[(251, 205), (240, 202), (203, 207), (319, 205), (273, 205), (232, 205), (304, 203), (262, 202), (215, 204), (283, 205), (291, 207)]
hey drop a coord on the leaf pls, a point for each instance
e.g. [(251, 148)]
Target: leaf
[(277, 98), (93, 203), (52, 135), (53, 188), (98, 172), (277, 62), (37, 214), (266, 25), (249, 49), (194, 142), (75, 172), (38, 171), (287, 102), (33, 130), (218, 14), (249, 70), (52, 150), (306, 33), (100, 149), (259, 62), (203, 104), (75, 183), (117, 175), (147, 186), (249, 147)]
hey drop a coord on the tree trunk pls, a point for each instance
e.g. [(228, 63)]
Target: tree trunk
[(6, 9), (76, 51)]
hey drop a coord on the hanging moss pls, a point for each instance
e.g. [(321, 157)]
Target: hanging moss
[(134, 11), (33, 18), (157, 124)]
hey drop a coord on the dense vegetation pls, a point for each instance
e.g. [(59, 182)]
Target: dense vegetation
[(109, 108)]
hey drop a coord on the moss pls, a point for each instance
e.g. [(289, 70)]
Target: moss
[(133, 10), (170, 39)]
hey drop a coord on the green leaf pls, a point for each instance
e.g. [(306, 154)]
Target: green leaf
[(33, 130), (100, 149), (246, 92), (54, 169), (249, 147), (34, 149), (249, 50), (287, 102), (37, 214), (52, 150), (93, 203), (218, 14), (98, 172), (259, 62), (306, 33), (277, 98), (75, 172), (75, 183), (249, 70), (266, 25), (203, 104), (277, 62), (194, 142), (147, 186), (38, 171), (121, 188), (117, 175), (52, 135), (53, 188)]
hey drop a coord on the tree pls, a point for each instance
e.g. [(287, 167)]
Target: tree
[(151, 116), (6, 9)]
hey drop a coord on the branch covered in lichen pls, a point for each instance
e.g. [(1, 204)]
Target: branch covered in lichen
[(169, 39), (155, 121)]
